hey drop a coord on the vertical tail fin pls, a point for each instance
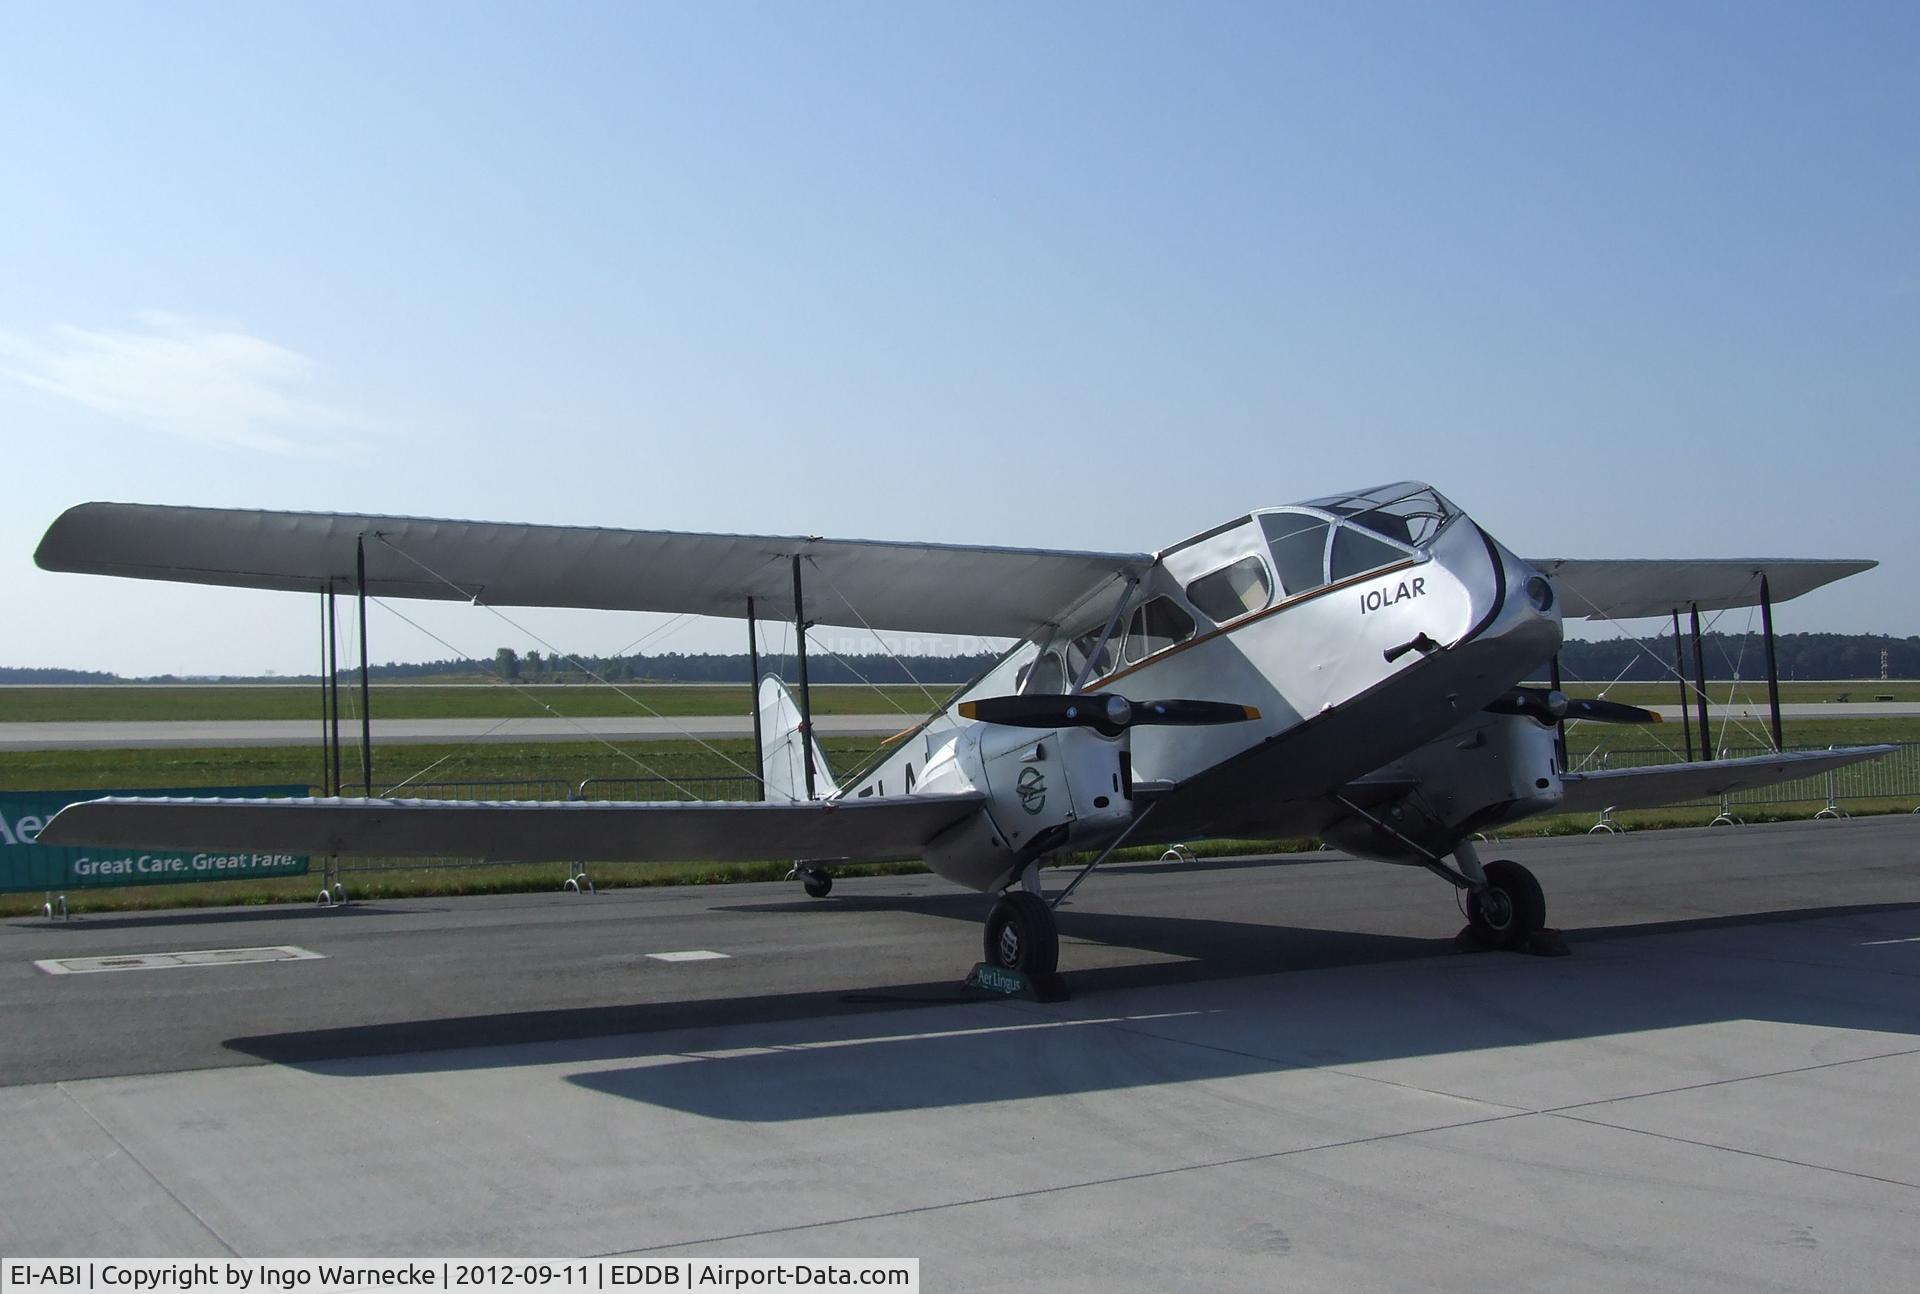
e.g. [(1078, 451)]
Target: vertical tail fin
[(782, 761)]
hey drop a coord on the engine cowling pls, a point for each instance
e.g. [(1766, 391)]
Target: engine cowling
[(1047, 790), (1493, 769)]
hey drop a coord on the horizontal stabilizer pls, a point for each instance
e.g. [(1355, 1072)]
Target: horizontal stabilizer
[(521, 831), (933, 588), (1647, 788)]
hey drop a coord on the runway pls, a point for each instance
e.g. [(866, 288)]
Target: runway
[(106, 734), (1270, 1076)]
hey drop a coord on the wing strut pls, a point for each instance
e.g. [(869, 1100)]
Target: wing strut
[(806, 693), (1113, 627), (1680, 672), (330, 664), (366, 696), (753, 704), (1773, 662), (1700, 685)]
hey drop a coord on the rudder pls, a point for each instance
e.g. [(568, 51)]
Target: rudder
[(781, 758)]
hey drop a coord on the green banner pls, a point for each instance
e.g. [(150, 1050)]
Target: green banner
[(27, 865)]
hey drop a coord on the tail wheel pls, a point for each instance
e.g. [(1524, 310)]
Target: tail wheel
[(817, 881), (1511, 909), (1021, 935)]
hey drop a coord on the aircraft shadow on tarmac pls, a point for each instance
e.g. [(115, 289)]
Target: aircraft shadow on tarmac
[(823, 1055)]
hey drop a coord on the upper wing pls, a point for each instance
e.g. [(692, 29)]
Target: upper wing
[(1627, 588), (930, 588), (1646, 788), (522, 831)]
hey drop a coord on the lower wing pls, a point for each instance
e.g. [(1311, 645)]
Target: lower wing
[(523, 831), (1646, 788)]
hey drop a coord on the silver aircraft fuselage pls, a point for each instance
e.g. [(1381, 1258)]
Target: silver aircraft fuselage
[(1349, 670)]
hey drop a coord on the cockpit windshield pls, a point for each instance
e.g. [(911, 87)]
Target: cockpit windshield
[(1345, 535), (1406, 512)]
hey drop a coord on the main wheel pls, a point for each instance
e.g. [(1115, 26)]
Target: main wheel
[(1511, 909), (1021, 935), (817, 881)]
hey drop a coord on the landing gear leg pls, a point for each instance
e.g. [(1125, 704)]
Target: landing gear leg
[(815, 879)]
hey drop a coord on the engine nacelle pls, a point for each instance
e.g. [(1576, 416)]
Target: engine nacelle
[(1491, 769), (1047, 790)]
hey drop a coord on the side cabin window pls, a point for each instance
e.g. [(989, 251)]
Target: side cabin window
[(1355, 552), (1298, 542), (1045, 677), (1156, 625), (1080, 648), (1232, 591)]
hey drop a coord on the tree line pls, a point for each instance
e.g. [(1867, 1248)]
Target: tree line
[(1812, 655), (1808, 655)]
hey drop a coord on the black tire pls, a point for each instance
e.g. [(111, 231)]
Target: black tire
[(1510, 910), (817, 880), (1021, 935)]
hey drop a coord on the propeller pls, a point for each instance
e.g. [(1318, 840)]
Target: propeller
[(1106, 712), (1551, 706)]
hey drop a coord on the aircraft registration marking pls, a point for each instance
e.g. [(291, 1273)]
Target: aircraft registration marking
[(172, 961), (691, 955), (1387, 595)]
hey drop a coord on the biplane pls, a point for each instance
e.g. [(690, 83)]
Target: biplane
[(1353, 667)]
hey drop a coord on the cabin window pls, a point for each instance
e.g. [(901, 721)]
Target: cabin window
[(1078, 649), (1298, 542), (1156, 625), (1355, 552), (1232, 591), (1046, 676)]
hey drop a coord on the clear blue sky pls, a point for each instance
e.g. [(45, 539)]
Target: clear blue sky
[(1624, 280)]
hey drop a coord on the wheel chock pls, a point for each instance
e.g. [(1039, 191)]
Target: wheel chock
[(1546, 943), (1541, 943), (988, 978)]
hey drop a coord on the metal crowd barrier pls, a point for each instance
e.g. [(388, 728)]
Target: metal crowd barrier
[(669, 788), (532, 788)]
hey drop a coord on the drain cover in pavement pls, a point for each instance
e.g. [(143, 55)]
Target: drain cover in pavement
[(165, 961)]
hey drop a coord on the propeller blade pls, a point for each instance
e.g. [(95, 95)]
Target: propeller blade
[(1550, 707), (1107, 712), (1539, 704), (1102, 710), (1599, 711), (1186, 713)]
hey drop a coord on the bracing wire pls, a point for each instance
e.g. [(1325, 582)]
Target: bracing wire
[(1729, 719), (884, 644), (1668, 672), (584, 731), (575, 660), (460, 752)]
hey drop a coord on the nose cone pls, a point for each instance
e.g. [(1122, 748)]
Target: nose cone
[(1523, 615)]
